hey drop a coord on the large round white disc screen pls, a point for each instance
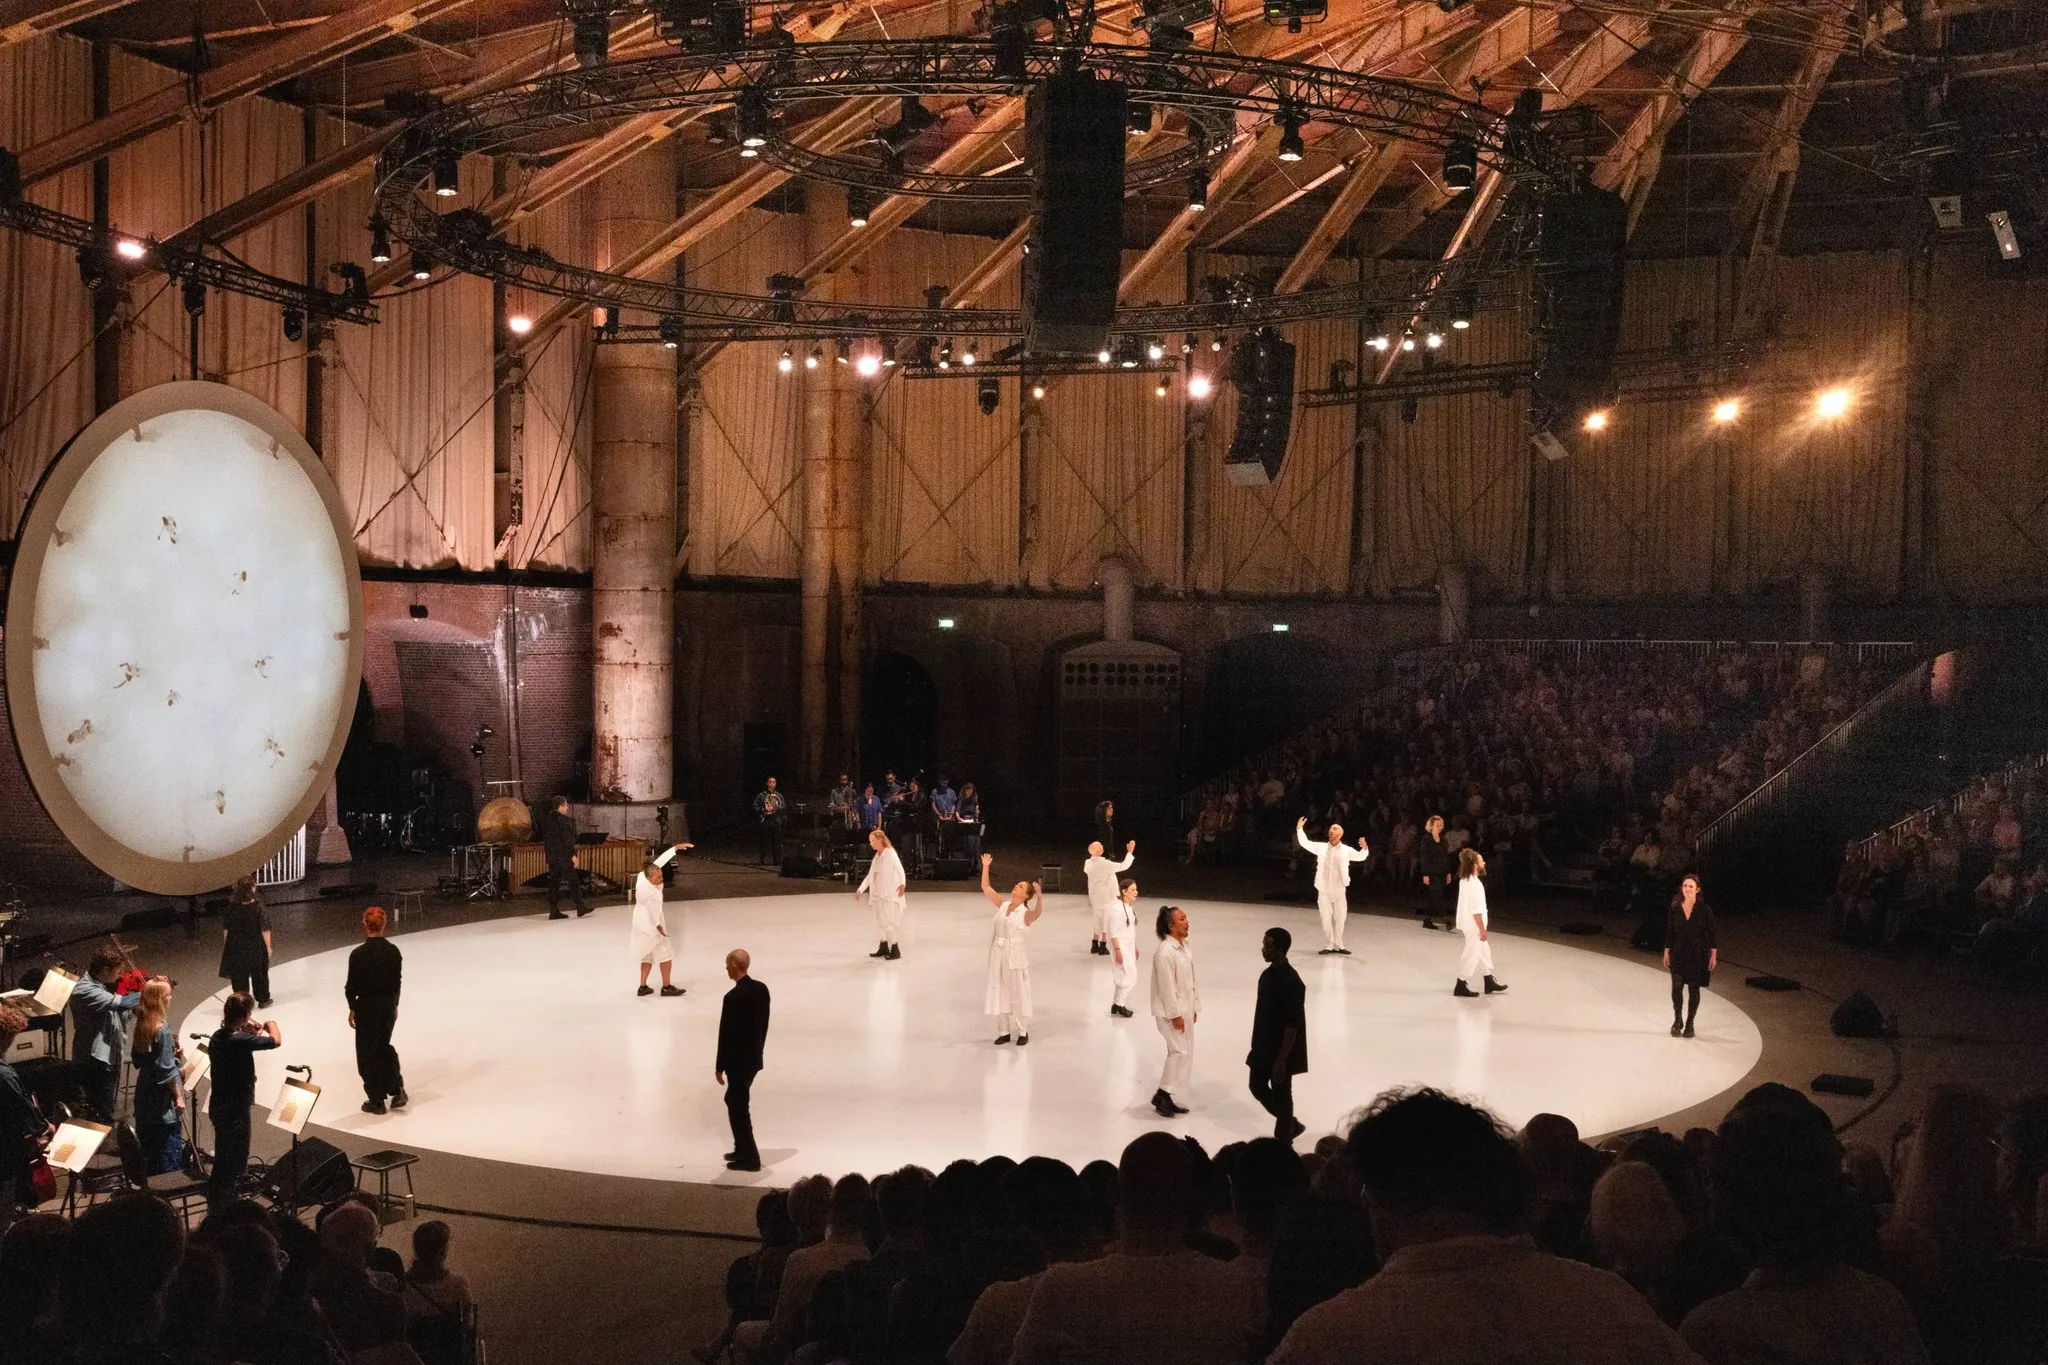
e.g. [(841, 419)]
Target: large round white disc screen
[(195, 619)]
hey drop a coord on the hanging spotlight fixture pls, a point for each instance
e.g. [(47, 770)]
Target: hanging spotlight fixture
[(787, 362), (380, 240), (1198, 191), (752, 110), (1461, 164), (671, 330), (593, 41), (988, 392), (1464, 303), (422, 264), (447, 176), (1155, 351), (816, 356), (860, 206), (1290, 132)]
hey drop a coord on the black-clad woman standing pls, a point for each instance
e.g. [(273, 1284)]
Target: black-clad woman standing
[(1691, 953), (245, 943)]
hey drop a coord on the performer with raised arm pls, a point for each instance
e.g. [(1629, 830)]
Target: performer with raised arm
[(885, 886), (1123, 949), (1009, 965), (1176, 1005), (1102, 877), (1476, 961), (650, 943), (1333, 877)]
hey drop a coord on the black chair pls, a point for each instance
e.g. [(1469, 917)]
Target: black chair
[(179, 1188)]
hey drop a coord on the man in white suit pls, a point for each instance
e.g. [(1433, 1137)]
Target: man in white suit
[(1176, 1003), (1102, 876), (1333, 876), (887, 890)]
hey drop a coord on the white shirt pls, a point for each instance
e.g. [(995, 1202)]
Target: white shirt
[(1333, 861), (1006, 938), (1101, 873), (1123, 921), (1471, 903), (885, 877), (1174, 993)]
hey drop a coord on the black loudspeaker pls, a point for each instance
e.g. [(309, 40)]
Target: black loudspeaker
[(1580, 244), (801, 865), (1768, 982), (953, 869), (1858, 1017), (1262, 370), (1830, 1083), (1074, 142), (320, 1169)]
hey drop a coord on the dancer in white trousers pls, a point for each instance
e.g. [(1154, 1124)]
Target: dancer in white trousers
[(1101, 874), (1123, 948), (886, 888), (650, 943), (1008, 996), (1176, 1004), (1333, 876), (1475, 963)]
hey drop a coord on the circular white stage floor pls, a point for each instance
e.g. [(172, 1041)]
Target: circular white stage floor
[(523, 1041)]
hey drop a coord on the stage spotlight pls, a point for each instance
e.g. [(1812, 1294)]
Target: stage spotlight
[(1832, 403), (1215, 343), (128, 249), (787, 362), (969, 357), (380, 240), (1154, 351), (1596, 420), (1198, 191), (1128, 353), (1159, 389), (671, 331), (868, 366), (593, 41), (608, 322), (1290, 134), (447, 176), (946, 356), (1727, 410), (1199, 386), (1408, 341), (988, 392), (860, 206), (1038, 390), (422, 264), (294, 323), (812, 360), (1464, 303), (1102, 357), (1137, 118), (2001, 229), (1433, 339), (1461, 164), (519, 324), (752, 106), (194, 296)]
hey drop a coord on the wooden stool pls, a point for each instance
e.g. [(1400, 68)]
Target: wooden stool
[(1049, 875), (390, 1208), (411, 901)]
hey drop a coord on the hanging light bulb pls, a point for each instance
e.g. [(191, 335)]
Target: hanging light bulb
[(447, 176), (380, 240), (787, 362), (1154, 351), (817, 354), (1198, 386)]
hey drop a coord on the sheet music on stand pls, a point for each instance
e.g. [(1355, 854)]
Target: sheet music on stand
[(55, 992), (294, 1105), (75, 1143), (197, 1063)]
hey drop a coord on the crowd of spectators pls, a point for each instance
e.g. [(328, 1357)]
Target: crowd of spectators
[(1975, 867), (124, 1281), (1430, 1234), (1537, 756)]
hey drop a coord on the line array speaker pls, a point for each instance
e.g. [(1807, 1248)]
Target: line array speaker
[(1580, 243), (1074, 141), (1262, 370)]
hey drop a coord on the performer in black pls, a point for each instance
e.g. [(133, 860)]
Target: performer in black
[(374, 969), (1690, 952), (1433, 860), (245, 943), (232, 1052), (742, 1033), (565, 865), (768, 809), (1279, 1036), (1105, 824)]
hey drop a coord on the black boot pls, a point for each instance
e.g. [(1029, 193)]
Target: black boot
[(881, 950), (1688, 1028), (1163, 1105), (1494, 987), (1464, 991), (895, 951), (1677, 1029)]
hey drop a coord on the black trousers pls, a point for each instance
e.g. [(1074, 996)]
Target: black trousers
[(771, 841), (101, 1083), (566, 883), (739, 1094), (376, 1059), (230, 1153), (1433, 898), (1276, 1098), (1679, 993), (253, 977)]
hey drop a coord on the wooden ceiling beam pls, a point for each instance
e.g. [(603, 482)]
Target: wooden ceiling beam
[(1779, 154), (21, 20), (1630, 166), (1252, 150), (989, 268), (302, 50)]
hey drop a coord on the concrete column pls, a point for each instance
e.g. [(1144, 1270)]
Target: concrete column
[(834, 433), (632, 465)]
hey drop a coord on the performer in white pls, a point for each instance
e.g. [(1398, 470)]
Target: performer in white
[(886, 887), (650, 942), (1333, 875), (1101, 874), (1123, 949), (1009, 966), (1176, 1004), (1475, 963)]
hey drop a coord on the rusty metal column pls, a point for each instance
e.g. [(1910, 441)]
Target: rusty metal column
[(835, 412), (633, 491)]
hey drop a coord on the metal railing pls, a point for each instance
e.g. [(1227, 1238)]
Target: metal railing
[(1779, 784), (287, 866), (2005, 780)]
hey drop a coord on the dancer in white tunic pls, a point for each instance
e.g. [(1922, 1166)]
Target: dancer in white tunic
[(649, 943), (1176, 1005), (1009, 966), (1123, 949), (1475, 963), (1333, 875), (886, 887), (1101, 874)]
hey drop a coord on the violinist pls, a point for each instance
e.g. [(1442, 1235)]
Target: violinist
[(233, 1049), (103, 1006)]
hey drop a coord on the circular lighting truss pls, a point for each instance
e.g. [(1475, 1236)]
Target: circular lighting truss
[(185, 637), (1207, 89)]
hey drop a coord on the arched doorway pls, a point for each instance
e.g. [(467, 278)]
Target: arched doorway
[(899, 716)]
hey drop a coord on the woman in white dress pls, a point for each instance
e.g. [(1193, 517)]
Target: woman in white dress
[(886, 888), (1009, 965), (650, 943), (1475, 963)]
